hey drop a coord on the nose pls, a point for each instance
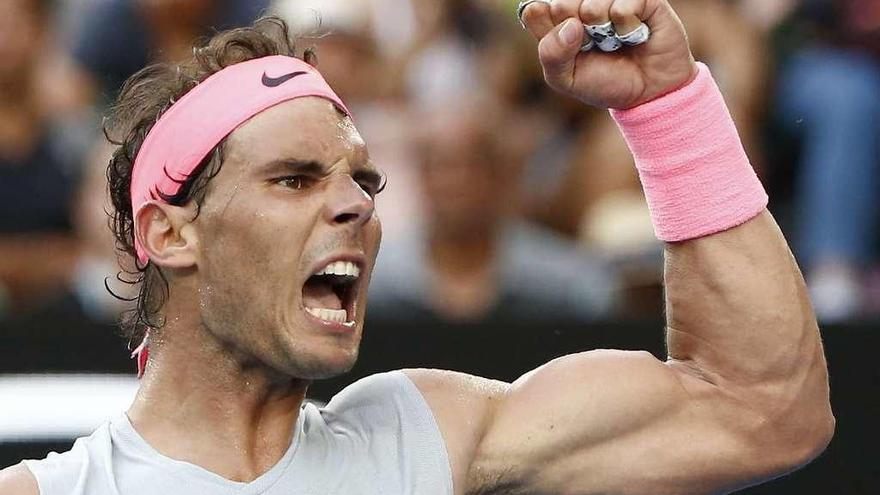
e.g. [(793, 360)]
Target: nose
[(347, 203)]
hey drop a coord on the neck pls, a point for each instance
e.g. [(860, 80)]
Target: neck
[(199, 403)]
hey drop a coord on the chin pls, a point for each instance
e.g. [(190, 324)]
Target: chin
[(327, 363)]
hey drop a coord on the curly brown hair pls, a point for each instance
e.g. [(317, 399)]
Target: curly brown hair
[(144, 98)]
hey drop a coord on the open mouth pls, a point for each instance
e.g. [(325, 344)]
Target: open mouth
[(331, 293)]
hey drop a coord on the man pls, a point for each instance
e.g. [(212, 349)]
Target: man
[(266, 271), (473, 259), (827, 103), (37, 173), (95, 63)]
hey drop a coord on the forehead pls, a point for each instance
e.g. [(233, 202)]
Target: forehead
[(309, 128)]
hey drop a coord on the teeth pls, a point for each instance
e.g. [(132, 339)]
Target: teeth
[(346, 268), (334, 315)]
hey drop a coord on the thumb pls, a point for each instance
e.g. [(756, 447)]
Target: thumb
[(557, 52)]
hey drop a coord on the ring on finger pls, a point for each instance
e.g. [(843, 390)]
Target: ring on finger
[(588, 44), (521, 8), (604, 36), (637, 36)]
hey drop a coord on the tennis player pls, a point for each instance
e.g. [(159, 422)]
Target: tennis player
[(247, 195)]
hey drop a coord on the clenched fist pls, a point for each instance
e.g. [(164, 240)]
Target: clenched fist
[(621, 79)]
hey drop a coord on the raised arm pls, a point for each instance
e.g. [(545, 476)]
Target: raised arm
[(743, 395)]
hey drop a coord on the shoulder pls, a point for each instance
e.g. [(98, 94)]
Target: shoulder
[(374, 389), (85, 468), (461, 403), (385, 421), (438, 385), (18, 480), (380, 402), (484, 421), (463, 406)]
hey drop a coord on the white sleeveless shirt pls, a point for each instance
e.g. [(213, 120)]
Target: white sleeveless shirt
[(377, 436)]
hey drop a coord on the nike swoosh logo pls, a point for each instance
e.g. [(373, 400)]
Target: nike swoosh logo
[(271, 82)]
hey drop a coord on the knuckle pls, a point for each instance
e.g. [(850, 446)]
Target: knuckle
[(591, 10), (619, 14), (546, 49), (549, 53), (532, 15), (562, 9)]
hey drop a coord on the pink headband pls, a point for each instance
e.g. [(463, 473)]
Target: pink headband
[(196, 123)]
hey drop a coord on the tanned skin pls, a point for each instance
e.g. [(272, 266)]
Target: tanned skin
[(742, 397)]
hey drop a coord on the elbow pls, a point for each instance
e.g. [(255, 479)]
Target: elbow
[(777, 451), (805, 421), (793, 427), (790, 444), (815, 412), (810, 445), (816, 441)]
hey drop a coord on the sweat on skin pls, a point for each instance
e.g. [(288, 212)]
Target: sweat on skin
[(743, 396)]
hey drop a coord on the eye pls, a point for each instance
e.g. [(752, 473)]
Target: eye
[(296, 182)]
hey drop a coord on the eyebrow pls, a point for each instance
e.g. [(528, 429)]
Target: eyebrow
[(293, 165), (314, 167)]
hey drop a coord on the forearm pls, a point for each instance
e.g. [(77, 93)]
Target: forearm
[(738, 310), (738, 313), (738, 317)]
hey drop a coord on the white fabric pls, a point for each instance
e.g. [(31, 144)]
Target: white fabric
[(376, 436)]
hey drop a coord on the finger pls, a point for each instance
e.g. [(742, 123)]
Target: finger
[(626, 15), (595, 15), (536, 18), (595, 12), (558, 51), (564, 9)]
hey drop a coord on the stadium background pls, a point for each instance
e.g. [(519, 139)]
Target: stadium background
[(515, 230)]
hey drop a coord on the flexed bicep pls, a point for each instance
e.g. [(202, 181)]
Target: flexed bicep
[(615, 422)]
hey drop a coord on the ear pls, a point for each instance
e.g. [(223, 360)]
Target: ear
[(167, 235)]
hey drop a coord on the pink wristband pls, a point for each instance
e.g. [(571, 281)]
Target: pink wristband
[(695, 173)]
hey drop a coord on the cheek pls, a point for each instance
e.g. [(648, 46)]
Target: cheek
[(377, 235), (259, 247), (373, 241)]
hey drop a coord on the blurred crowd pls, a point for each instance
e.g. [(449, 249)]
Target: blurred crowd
[(504, 199)]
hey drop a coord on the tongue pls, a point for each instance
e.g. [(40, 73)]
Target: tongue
[(319, 294)]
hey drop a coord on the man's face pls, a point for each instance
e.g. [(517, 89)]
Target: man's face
[(466, 188), (294, 197)]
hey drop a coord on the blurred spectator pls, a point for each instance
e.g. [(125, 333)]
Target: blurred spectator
[(448, 58), (829, 99), (82, 310), (98, 260), (396, 61), (475, 257), (116, 38), (36, 178)]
